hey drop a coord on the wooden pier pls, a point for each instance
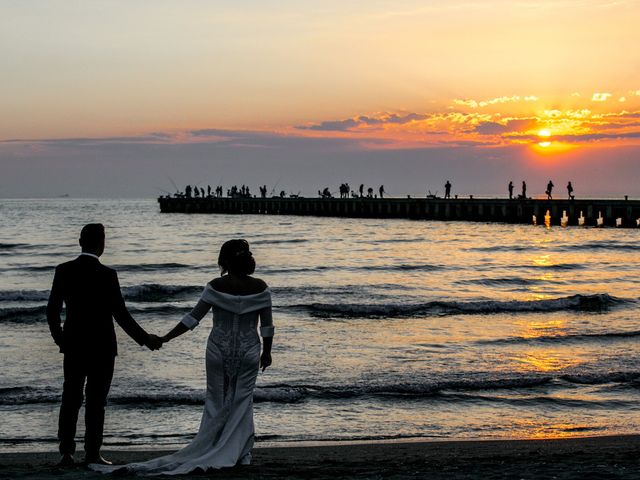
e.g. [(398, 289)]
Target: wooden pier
[(622, 213)]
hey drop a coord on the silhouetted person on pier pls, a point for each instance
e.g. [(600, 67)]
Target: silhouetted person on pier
[(510, 190), (524, 190), (549, 190), (263, 191), (282, 194), (381, 191), (196, 192), (447, 189), (202, 192), (361, 190), (208, 190), (187, 191), (570, 191), (369, 192)]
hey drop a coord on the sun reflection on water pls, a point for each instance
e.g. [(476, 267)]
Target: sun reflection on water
[(546, 360)]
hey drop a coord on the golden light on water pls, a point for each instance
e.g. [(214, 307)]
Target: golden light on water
[(546, 360)]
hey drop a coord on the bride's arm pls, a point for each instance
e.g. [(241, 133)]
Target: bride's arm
[(176, 331), (189, 321), (266, 331)]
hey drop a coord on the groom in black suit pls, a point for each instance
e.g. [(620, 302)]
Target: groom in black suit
[(91, 294)]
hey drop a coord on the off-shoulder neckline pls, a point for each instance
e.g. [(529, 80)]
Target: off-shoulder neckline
[(218, 292)]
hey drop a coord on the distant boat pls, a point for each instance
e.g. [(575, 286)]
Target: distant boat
[(64, 195)]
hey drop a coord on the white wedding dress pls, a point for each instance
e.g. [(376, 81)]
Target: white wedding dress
[(226, 433)]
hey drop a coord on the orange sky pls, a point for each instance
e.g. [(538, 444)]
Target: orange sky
[(378, 74)]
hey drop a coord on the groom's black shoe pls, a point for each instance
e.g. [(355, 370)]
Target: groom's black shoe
[(96, 458), (66, 460)]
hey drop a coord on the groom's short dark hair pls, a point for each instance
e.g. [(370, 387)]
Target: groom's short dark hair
[(92, 235)]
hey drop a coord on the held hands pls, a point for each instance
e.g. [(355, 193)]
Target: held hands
[(153, 342), (265, 360)]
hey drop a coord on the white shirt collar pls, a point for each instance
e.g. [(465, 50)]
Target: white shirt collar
[(90, 255)]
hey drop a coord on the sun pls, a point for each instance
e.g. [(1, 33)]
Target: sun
[(544, 134)]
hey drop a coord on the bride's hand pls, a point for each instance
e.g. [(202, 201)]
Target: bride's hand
[(265, 360)]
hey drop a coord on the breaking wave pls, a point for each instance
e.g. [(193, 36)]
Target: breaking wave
[(589, 303), (460, 390)]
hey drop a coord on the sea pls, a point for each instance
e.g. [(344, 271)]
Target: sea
[(385, 329)]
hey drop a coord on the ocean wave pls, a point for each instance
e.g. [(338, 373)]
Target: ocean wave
[(589, 303), (23, 295), (154, 292), (152, 267), (161, 309), (499, 281), (408, 267), (23, 314), (603, 245), (546, 400), (19, 246), (278, 241), (500, 248), (31, 268), (31, 395), (402, 267), (489, 388), (318, 268), (146, 292), (559, 266), (570, 338)]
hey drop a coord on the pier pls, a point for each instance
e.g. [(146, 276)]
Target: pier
[(620, 213)]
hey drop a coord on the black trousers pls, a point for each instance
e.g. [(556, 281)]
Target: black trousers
[(97, 373)]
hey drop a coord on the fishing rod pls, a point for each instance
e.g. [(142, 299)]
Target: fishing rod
[(174, 184), (275, 186)]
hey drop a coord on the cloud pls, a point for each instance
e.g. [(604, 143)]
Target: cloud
[(491, 128), (363, 120), (89, 141), (578, 138), (493, 101), (512, 125), (600, 97)]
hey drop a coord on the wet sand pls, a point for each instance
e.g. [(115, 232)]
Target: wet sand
[(616, 457)]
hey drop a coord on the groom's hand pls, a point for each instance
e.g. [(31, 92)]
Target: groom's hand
[(154, 342)]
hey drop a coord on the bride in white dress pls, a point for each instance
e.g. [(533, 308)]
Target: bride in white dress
[(233, 358)]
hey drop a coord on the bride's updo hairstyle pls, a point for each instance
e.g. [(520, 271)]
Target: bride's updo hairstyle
[(236, 258)]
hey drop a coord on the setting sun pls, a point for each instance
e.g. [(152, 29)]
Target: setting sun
[(544, 134)]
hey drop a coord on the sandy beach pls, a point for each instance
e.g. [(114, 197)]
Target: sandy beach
[(613, 457)]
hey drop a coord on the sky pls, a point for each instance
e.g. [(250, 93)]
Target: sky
[(124, 99)]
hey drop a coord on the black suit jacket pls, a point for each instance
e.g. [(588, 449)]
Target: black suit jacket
[(92, 296)]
